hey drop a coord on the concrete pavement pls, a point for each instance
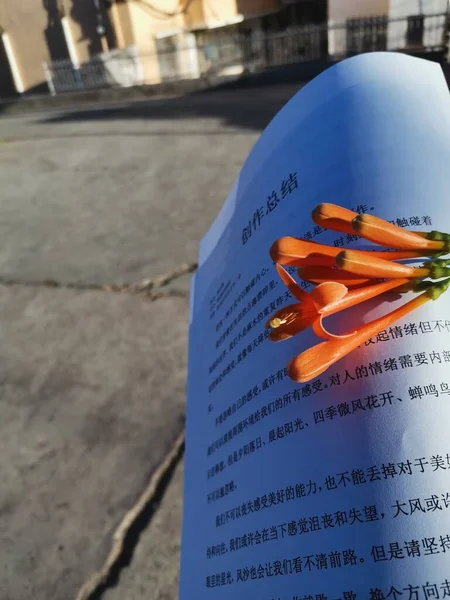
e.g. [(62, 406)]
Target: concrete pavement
[(153, 572), (92, 400), (92, 383), (122, 194)]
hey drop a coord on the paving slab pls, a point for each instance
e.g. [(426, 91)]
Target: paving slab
[(154, 571), (92, 392)]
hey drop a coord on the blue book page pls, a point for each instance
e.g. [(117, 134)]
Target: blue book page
[(338, 488)]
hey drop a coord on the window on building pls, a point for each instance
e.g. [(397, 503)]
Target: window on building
[(414, 32), (366, 35)]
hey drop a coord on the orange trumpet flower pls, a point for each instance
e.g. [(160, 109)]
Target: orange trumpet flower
[(320, 274), (291, 251), (386, 234), (332, 216), (326, 299), (360, 265), (314, 361), (338, 218)]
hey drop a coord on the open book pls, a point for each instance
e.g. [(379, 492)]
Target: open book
[(339, 487)]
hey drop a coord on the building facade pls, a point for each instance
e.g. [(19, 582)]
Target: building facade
[(348, 16), (416, 23), (132, 41), (70, 44), (367, 25), (34, 32)]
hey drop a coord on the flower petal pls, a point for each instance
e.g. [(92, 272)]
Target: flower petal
[(281, 313), (314, 361), (293, 286), (328, 293), (320, 331), (291, 320), (294, 251), (318, 259), (320, 274)]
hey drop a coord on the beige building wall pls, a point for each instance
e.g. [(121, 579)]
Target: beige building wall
[(339, 11), (121, 21), (34, 35), (194, 15), (147, 25), (215, 13)]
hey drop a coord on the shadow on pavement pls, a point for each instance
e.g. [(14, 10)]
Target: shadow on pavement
[(249, 103), (242, 108)]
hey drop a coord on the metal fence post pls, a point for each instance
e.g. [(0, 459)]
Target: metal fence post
[(49, 79)]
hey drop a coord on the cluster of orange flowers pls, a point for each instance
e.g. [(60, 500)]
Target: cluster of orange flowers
[(346, 278)]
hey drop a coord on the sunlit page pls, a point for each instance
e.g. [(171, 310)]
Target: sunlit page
[(338, 488)]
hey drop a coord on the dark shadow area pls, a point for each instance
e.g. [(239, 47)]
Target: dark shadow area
[(39, 89), (248, 103), (93, 18), (124, 557), (7, 89), (53, 33), (247, 109), (291, 14)]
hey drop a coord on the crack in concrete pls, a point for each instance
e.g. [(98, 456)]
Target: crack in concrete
[(127, 535), (144, 287)]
